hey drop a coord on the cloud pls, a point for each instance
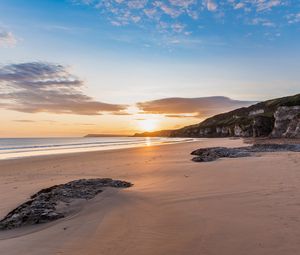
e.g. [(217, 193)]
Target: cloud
[(263, 5), (182, 3), (121, 113), (188, 107), (293, 18), (24, 121), (263, 22), (46, 87), (211, 5), (179, 17), (163, 15), (257, 5), (239, 5), (181, 115), (7, 39), (33, 121)]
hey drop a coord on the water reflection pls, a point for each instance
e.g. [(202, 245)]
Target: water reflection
[(148, 141)]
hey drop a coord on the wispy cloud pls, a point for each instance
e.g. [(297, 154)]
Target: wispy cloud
[(176, 16), (163, 15), (191, 107), (86, 124), (293, 18), (211, 5), (263, 22), (24, 121), (257, 5), (34, 121), (7, 38), (46, 87), (262, 5), (181, 115), (239, 5)]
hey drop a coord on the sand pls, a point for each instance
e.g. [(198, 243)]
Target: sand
[(227, 207)]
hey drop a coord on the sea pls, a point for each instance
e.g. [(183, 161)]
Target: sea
[(28, 147)]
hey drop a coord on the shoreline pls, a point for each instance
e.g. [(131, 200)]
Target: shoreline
[(44, 152), (176, 206)]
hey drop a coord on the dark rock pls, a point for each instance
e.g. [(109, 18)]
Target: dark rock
[(287, 122), (42, 207), (262, 126), (214, 153)]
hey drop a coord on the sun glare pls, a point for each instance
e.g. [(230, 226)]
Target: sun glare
[(148, 125)]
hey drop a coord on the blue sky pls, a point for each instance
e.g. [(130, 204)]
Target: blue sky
[(125, 52)]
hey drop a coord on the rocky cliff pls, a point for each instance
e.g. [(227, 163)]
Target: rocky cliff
[(277, 118), (287, 122)]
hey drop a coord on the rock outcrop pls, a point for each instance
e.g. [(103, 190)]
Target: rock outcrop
[(254, 121), (50, 204), (214, 153), (287, 122), (277, 117)]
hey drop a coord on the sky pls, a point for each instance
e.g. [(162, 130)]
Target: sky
[(72, 67)]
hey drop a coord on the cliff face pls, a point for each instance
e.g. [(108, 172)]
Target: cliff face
[(242, 127), (287, 122), (277, 118)]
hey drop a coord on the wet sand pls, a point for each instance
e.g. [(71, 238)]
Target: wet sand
[(176, 206)]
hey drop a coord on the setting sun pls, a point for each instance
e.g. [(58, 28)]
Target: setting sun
[(148, 125)]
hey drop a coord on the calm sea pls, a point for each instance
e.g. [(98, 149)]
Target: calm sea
[(25, 147)]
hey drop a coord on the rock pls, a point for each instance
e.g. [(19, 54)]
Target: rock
[(278, 117), (287, 122), (43, 206), (226, 131), (293, 129), (214, 153), (256, 120), (238, 130), (256, 112), (262, 126)]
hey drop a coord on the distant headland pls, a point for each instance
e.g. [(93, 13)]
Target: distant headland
[(105, 135)]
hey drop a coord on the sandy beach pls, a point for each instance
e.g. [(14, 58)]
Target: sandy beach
[(242, 206)]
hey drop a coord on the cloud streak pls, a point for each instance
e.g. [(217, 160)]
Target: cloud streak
[(46, 87), (7, 39), (25, 121), (201, 107)]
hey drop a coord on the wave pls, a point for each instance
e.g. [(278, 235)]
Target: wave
[(23, 147)]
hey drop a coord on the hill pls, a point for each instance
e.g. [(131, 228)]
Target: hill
[(278, 117), (160, 133), (103, 135)]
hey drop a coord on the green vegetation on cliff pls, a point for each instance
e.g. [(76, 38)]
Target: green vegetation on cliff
[(255, 120)]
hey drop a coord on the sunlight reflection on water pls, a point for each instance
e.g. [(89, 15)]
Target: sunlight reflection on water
[(26, 147)]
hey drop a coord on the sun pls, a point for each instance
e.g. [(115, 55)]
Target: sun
[(148, 125)]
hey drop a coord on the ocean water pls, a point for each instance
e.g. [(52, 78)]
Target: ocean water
[(26, 147)]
